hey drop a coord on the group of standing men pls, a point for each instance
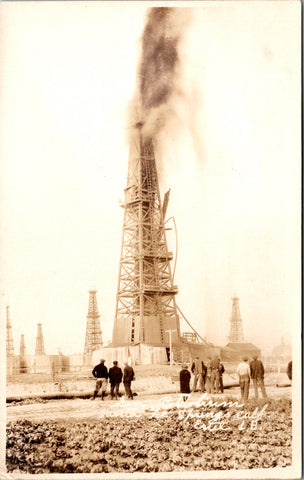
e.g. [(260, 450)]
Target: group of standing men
[(255, 371), (208, 378), (115, 375)]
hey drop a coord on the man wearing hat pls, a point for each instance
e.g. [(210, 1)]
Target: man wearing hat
[(215, 374), (221, 371), (100, 372), (243, 371), (115, 377), (197, 370), (257, 375), (184, 380), (128, 377), (208, 376)]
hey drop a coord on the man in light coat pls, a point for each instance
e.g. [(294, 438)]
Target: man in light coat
[(215, 375), (243, 371), (197, 370)]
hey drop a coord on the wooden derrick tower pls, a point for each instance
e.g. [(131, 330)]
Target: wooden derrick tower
[(22, 351), (145, 302), (22, 356), (93, 339), (236, 329), (9, 334), (39, 350)]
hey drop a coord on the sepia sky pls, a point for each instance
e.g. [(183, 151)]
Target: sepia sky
[(231, 156)]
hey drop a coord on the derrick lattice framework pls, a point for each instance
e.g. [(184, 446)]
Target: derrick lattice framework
[(93, 339), (145, 302), (9, 334), (236, 328)]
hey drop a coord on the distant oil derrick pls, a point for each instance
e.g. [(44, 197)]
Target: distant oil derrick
[(236, 329), (39, 350), (22, 356), (93, 339), (9, 334), (22, 351)]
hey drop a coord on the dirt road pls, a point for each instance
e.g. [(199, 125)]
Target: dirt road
[(76, 409)]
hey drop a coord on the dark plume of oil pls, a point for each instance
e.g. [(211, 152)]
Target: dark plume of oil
[(160, 58), (162, 102), (158, 69)]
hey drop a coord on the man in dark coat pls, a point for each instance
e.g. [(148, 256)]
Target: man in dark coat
[(221, 371), (204, 369), (184, 380), (208, 376), (100, 372), (257, 375), (115, 377), (128, 377), (289, 370)]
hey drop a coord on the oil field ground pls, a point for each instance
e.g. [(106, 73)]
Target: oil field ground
[(156, 432)]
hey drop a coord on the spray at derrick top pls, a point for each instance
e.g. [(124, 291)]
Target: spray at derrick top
[(158, 71)]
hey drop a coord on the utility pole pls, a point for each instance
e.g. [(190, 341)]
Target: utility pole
[(170, 344)]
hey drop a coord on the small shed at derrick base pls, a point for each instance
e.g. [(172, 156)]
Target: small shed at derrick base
[(184, 351), (233, 352)]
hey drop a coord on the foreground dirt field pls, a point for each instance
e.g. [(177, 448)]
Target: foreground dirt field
[(150, 434), (156, 432)]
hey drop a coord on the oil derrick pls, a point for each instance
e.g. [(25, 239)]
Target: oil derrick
[(93, 339), (22, 353), (145, 302), (236, 329), (9, 335), (39, 350)]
